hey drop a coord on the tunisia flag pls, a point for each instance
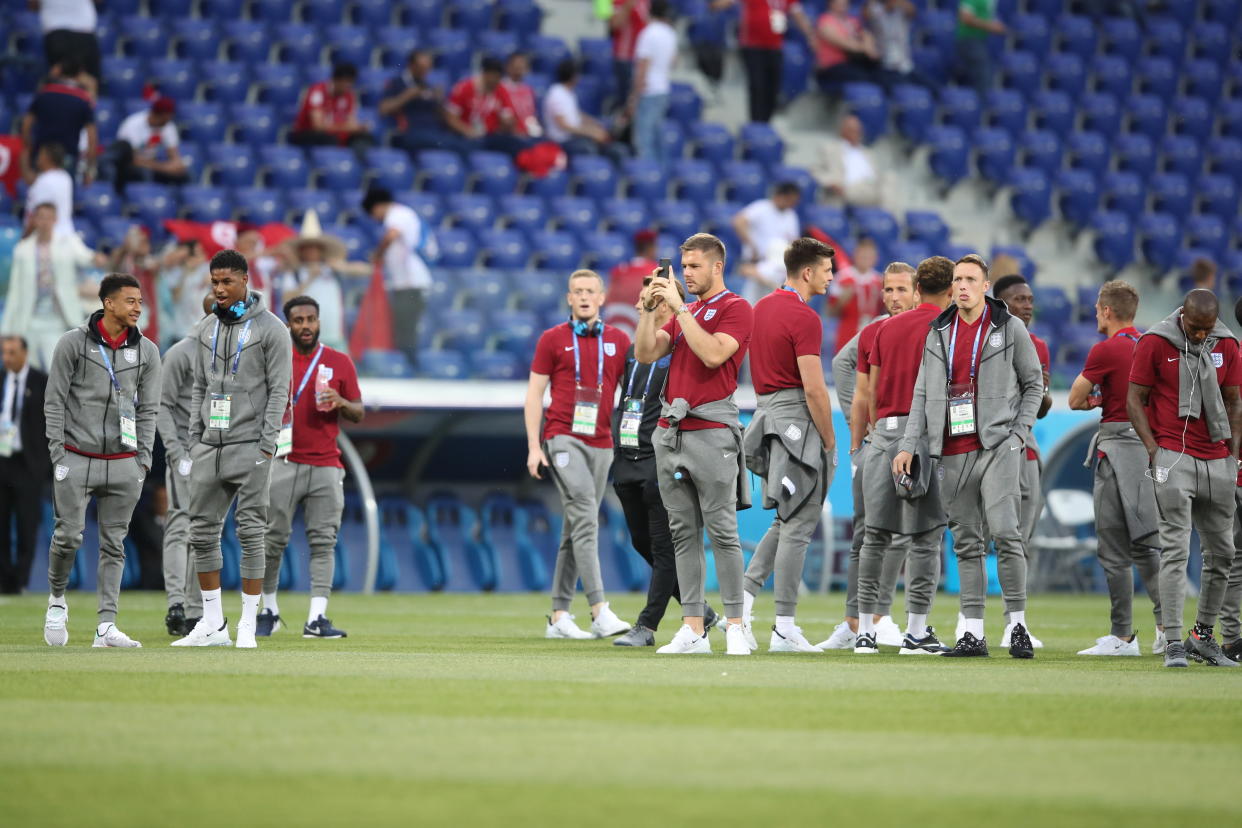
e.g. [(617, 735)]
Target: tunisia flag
[(10, 164), (373, 328)]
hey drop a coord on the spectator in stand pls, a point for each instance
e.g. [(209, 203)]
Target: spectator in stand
[(147, 148), (183, 269), (625, 282), (655, 53), (576, 132), (52, 185), (261, 262), (418, 108), (1203, 274), (403, 251), (311, 255), (857, 295), (475, 110), (44, 298), (59, 113), (845, 52), (766, 227), (328, 115), (847, 170), (629, 18), (519, 114), (134, 256), (761, 36), (889, 23), (976, 20), (69, 31)]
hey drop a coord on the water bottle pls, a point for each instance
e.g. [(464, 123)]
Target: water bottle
[(323, 381), (1096, 398)]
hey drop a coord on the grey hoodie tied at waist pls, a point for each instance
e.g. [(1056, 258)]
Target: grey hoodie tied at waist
[(1196, 368), (784, 448), (1120, 443), (724, 412)]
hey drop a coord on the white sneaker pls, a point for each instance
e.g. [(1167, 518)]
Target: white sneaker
[(842, 638), (607, 624), (204, 636), (738, 640), (960, 629), (1035, 642), (793, 642), (748, 633), (687, 642), (1111, 645), (1160, 642), (56, 625), (564, 627), (112, 637), (245, 635), (888, 633)]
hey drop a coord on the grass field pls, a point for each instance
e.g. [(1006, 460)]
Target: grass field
[(453, 710)]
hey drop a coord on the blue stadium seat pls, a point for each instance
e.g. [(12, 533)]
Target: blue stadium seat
[(796, 64), (151, 203), (1030, 33), (1166, 38), (142, 37), (277, 85), (176, 78), (1052, 305), (272, 11), (376, 14), (625, 216), (195, 39), (429, 206), (1100, 113), (949, 153), (1224, 156), (1202, 79), (395, 43), (336, 168), (390, 168), (1041, 148), (436, 363), (323, 12), (297, 43), (926, 227), (258, 205), (1134, 153), (1181, 154), (1192, 117), (1078, 195), (936, 29), (225, 81), (1123, 192), (595, 177), (108, 115), (521, 212), (458, 248), (1207, 232), (684, 105), (555, 250), (496, 365), (1087, 151), (1032, 195), (440, 171), (514, 326), (503, 527), (877, 223), (230, 168), (123, 78), (1005, 109), (710, 142), (459, 328), (912, 108), (473, 211), (523, 17), (205, 203), (1019, 71), (285, 167), (421, 14), (1229, 118), (744, 181), (604, 251), (1170, 193), (574, 214), (1066, 73), (1114, 238), (246, 40), (547, 52), (496, 44), (1217, 194), (866, 100), (349, 44), (255, 124), (98, 200), (994, 153), (1075, 35), (505, 248), (221, 10), (470, 15), (808, 187), (553, 184), (1224, 12), (1210, 41), (1146, 115), (909, 252), (643, 180), (1053, 111), (1113, 75), (761, 143), (1157, 76), (1121, 36), (679, 219), (324, 202), (595, 56), (959, 107)]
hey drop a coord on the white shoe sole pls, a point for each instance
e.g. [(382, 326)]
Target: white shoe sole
[(225, 643), (917, 651), (866, 650), (137, 645), (611, 631), (1117, 654), (55, 638), (665, 650)]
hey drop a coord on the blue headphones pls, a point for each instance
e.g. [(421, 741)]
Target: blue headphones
[(587, 328), (235, 312)]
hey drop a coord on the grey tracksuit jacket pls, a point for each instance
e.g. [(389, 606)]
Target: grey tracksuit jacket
[(1010, 383), (176, 397), (259, 395), (81, 408)]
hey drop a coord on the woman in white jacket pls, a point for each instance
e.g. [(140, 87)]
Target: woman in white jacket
[(44, 297)]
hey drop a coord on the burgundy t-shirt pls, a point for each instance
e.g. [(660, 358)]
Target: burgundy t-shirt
[(554, 357), (1157, 365), (785, 328), (960, 373), (314, 431), (866, 342), (1108, 366), (688, 377), (1045, 362), (897, 354)]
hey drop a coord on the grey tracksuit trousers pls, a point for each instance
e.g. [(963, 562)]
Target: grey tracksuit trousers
[(1032, 502), (320, 490), (179, 583), (705, 498), (116, 486), (1202, 491), (581, 476), (1118, 554), (220, 474), (979, 490), (783, 548), (1231, 607), (894, 555)]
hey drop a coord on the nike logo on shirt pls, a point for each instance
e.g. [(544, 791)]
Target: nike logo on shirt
[(259, 462), (1173, 359), (569, 347), (729, 454)]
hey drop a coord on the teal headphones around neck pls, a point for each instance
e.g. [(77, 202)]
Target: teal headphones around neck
[(587, 328)]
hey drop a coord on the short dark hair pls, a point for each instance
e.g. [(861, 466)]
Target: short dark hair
[(55, 151), (661, 9), (298, 301), (514, 55), (70, 66), (417, 53), (806, 252), (344, 71), (25, 345), (934, 276), (704, 243), (229, 260), (786, 187), (45, 205), (113, 282), (976, 260), (1004, 283), (374, 196), (491, 64), (566, 70)]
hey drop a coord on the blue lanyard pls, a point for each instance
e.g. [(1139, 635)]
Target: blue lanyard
[(599, 373), (306, 377), (629, 391), (794, 292), (103, 352), (974, 351), (1128, 336), (241, 343), (701, 305)]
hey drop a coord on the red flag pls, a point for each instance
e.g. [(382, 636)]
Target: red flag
[(373, 328), (842, 259), (10, 164)]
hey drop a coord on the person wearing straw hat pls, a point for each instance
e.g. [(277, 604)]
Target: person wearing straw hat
[(309, 272)]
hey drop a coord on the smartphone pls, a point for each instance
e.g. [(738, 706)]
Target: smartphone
[(906, 482), (666, 269)]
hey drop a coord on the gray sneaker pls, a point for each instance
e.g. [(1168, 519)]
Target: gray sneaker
[(638, 636), (1175, 655), (1207, 651)]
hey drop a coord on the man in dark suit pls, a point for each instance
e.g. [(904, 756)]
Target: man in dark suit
[(24, 463)]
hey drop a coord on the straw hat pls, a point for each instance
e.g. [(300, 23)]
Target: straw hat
[(312, 233)]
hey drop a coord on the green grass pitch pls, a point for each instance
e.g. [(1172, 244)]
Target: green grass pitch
[(453, 710)]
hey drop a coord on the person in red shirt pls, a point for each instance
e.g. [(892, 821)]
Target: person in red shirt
[(1126, 524), (899, 296), (761, 36), (1183, 401), (328, 114), (476, 109), (582, 360), (699, 455), (308, 470), (519, 113), (629, 17), (857, 296), (625, 281), (790, 442)]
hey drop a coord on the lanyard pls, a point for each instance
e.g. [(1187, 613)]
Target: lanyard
[(599, 347), (794, 292), (701, 304), (103, 352), (1128, 336), (974, 351), (629, 391), (310, 369), (241, 343)]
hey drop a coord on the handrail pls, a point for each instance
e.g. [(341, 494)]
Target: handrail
[(358, 469)]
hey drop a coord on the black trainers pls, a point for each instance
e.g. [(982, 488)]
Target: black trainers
[(267, 622), (1233, 650), (710, 618), (175, 621), (969, 647), (321, 628), (1020, 642), (865, 643), (638, 636), (927, 645), (1175, 655), (1205, 650)]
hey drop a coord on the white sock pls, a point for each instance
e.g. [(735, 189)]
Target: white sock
[(269, 603), (55, 601), (213, 612), (748, 606), (866, 624), (784, 624), (250, 608), (974, 626), (319, 606), (916, 625), (1018, 617)]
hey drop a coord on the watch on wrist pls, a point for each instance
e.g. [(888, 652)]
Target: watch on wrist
[(682, 309)]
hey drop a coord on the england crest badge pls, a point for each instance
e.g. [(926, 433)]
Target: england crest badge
[(997, 339), (610, 349), (1218, 360), (131, 355), (710, 313)]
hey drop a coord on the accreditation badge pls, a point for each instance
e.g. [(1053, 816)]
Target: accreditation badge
[(961, 409), (631, 421), (586, 410), (220, 412)]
